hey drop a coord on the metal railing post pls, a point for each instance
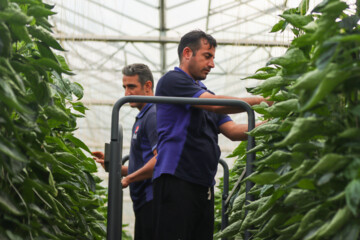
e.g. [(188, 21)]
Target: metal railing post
[(224, 216), (115, 189)]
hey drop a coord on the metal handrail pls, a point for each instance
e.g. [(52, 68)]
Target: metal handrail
[(124, 159), (114, 224)]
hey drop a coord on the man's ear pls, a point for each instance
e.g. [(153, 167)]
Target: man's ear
[(148, 86), (187, 53)]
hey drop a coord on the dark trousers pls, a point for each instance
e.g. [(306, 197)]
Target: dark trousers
[(144, 222), (182, 210)]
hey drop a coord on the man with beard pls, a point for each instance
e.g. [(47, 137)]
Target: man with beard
[(188, 151), (138, 80)]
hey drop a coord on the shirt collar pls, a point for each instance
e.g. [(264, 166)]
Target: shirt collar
[(197, 83), (144, 110)]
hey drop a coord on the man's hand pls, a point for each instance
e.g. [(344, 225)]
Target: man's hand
[(99, 158), (124, 182)]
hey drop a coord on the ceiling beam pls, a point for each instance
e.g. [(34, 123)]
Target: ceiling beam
[(162, 40)]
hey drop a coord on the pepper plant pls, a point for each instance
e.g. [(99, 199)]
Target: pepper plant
[(47, 186), (307, 170)]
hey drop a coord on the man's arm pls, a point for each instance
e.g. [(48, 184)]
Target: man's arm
[(229, 109), (141, 174), (235, 132)]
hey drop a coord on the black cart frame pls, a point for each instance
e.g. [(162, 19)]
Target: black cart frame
[(113, 152)]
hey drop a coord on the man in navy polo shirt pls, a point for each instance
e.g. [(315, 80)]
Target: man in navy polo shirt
[(188, 151), (138, 80)]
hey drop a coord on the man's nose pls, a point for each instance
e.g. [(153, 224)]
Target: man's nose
[(127, 92), (211, 63)]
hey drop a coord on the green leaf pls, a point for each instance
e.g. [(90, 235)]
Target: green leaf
[(100, 228), (11, 15), (293, 57), (269, 85), (344, 38), (90, 180), (352, 193), (276, 157), (4, 4), (62, 62), (306, 184), (6, 40), (326, 56), (41, 91), (13, 152), (310, 80), (282, 109), (304, 40), (77, 90), (20, 31), (349, 232), (77, 142), (260, 108), (79, 106), (20, 87), (45, 51), (331, 162), (40, 212), (50, 65), (307, 147), (66, 157), (43, 22), (281, 25), (297, 20), (258, 148), (33, 2), (9, 98), (350, 133), (311, 27), (349, 22), (12, 236), (327, 85), (263, 177), (264, 129), (261, 75), (331, 7), (62, 86), (8, 205), (39, 11), (278, 193), (298, 197), (52, 183), (337, 222), (56, 113), (230, 230), (302, 129), (41, 34), (61, 171)]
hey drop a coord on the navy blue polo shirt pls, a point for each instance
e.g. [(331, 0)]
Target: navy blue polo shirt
[(143, 142), (188, 136)]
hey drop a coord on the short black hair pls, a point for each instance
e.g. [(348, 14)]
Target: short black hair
[(142, 70), (192, 40)]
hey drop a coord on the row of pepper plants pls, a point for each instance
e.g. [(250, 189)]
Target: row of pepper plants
[(307, 168), (48, 189)]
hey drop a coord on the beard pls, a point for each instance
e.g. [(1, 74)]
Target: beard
[(199, 74)]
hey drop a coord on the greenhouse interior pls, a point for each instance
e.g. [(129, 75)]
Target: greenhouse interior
[(295, 175)]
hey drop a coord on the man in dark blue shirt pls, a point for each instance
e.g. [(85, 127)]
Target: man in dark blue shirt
[(138, 80), (188, 150)]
